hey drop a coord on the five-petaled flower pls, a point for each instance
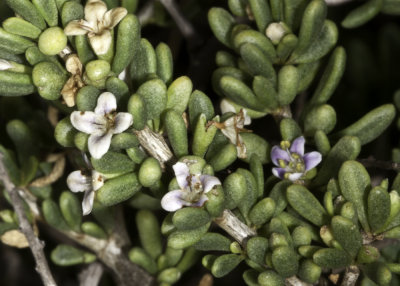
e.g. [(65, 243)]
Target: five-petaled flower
[(78, 181), (193, 189), (101, 124), (292, 163), (97, 24)]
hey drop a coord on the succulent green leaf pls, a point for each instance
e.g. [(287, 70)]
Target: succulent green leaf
[(213, 242), (354, 182), (306, 204), (225, 264), (331, 258), (362, 14), (371, 125), (347, 234)]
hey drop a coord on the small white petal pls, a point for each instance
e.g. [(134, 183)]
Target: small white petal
[(247, 119), (122, 121), (106, 103), (5, 65), (295, 176), (209, 182), (122, 75), (77, 27), (230, 132), (94, 11), (78, 182), (97, 180), (87, 203), (226, 106), (101, 42), (173, 201), (99, 143), (181, 173), (114, 16), (88, 122)]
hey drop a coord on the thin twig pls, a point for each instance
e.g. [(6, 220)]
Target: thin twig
[(91, 275), (146, 12), (350, 276), (35, 244), (183, 24), (371, 162)]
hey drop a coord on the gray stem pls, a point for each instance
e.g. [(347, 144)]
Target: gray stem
[(155, 145), (35, 244), (350, 276), (234, 227), (294, 281), (91, 275)]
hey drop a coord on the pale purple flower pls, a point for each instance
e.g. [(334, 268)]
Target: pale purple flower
[(101, 124), (78, 181), (193, 189), (292, 163)]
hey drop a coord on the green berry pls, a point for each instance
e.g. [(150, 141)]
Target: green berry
[(52, 41)]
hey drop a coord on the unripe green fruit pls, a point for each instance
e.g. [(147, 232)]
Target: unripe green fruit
[(150, 172), (52, 41), (49, 80), (97, 70)]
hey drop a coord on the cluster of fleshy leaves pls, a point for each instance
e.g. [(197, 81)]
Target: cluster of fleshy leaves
[(310, 211)]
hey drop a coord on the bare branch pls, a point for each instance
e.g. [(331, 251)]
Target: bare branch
[(350, 276), (91, 275), (35, 244), (234, 227), (155, 144)]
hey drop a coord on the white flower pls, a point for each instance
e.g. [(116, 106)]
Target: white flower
[(97, 24), (275, 32), (193, 189), (101, 124), (233, 126), (5, 65), (226, 106), (80, 182)]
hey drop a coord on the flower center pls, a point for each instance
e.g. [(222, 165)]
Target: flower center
[(194, 189), (110, 118)]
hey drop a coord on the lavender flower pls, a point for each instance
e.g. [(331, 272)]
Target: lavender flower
[(101, 124), (193, 189), (292, 163), (77, 181)]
